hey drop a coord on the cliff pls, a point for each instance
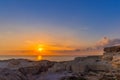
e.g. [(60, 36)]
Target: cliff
[(112, 49)]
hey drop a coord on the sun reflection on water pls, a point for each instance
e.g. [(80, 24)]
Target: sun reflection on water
[(39, 58)]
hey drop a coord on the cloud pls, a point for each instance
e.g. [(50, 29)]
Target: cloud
[(106, 42), (114, 42), (101, 44), (66, 51), (96, 49)]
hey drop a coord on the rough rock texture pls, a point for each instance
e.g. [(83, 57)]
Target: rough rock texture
[(112, 49), (37, 68), (79, 68), (112, 55), (6, 74), (58, 67), (21, 69)]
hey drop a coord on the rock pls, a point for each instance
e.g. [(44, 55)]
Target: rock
[(112, 55), (105, 67), (52, 76), (13, 63), (82, 65), (31, 70), (16, 63), (108, 57), (37, 68), (72, 78), (58, 67), (116, 61), (6, 74), (45, 63), (92, 78), (79, 68), (91, 63), (108, 77), (87, 58), (100, 66), (112, 49)]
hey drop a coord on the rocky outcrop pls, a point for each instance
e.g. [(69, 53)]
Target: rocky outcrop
[(7, 74), (37, 68), (58, 67), (82, 65), (112, 49), (105, 67), (21, 69), (112, 55)]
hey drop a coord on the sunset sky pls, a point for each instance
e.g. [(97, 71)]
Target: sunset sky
[(58, 26)]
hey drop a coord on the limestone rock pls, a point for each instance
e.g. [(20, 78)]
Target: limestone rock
[(37, 67), (116, 61), (100, 66), (31, 70), (58, 67), (112, 49), (108, 57), (79, 68)]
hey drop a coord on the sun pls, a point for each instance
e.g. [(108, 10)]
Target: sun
[(40, 49)]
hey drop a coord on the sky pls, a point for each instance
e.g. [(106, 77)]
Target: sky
[(58, 25)]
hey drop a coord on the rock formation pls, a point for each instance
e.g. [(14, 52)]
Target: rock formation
[(105, 67)]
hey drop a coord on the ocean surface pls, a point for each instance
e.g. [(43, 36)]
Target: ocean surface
[(6, 56), (36, 58)]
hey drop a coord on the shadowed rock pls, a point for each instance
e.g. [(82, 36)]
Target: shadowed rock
[(6, 74), (112, 49)]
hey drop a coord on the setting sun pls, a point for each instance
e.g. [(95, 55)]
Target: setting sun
[(40, 49)]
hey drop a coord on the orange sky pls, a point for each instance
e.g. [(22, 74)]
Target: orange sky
[(59, 26)]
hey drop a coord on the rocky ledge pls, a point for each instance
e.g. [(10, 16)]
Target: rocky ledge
[(105, 67)]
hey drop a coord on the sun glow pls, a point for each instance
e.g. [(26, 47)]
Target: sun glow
[(40, 49), (39, 57)]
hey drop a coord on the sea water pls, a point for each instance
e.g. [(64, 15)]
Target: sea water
[(35, 58)]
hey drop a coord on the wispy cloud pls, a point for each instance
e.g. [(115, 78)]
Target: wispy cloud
[(69, 50), (102, 43), (106, 42)]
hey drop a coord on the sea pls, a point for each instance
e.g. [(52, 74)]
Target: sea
[(37, 58), (48, 57)]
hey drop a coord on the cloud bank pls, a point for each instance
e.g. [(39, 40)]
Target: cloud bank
[(106, 42)]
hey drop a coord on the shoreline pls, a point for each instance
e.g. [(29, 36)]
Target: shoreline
[(103, 67)]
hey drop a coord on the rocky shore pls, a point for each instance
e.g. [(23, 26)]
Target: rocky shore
[(105, 67)]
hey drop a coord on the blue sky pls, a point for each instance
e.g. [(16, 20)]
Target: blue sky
[(70, 22)]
